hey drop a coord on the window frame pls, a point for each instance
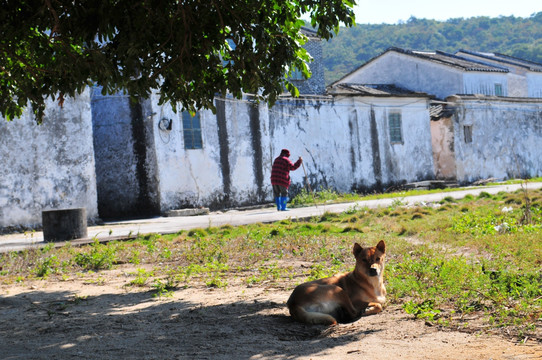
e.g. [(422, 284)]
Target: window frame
[(192, 135), (500, 89), (395, 127), (467, 134)]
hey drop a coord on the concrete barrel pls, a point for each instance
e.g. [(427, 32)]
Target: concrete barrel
[(66, 224)]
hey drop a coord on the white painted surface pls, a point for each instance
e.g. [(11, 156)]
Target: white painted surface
[(534, 81), (48, 166), (506, 138), (332, 135), (411, 73), (484, 83)]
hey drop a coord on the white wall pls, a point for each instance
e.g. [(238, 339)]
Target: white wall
[(506, 138), (484, 83), (410, 73), (345, 141), (335, 137), (48, 166), (228, 170), (534, 81)]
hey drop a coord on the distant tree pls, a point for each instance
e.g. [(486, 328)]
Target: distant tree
[(55, 48)]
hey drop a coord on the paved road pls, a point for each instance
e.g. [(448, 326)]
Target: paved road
[(167, 225)]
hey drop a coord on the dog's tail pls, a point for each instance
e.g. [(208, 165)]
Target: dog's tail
[(299, 313)]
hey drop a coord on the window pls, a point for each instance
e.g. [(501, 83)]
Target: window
[(467, 132), (498, 89), (396, 135), (192, 131)]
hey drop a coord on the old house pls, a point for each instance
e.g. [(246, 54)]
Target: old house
[(525, 76), (403, 117), (437, 73), (480, 137), (486, 117)]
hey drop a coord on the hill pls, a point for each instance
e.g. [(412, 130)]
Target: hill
[(515, 36)]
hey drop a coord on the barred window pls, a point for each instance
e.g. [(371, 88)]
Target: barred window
[(192, 131), (467, 131), (394, 120)]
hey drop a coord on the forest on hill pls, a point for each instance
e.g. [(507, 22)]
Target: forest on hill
[(352, 47)]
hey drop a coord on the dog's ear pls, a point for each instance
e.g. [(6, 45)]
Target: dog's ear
[(357, 249), (381, 246)]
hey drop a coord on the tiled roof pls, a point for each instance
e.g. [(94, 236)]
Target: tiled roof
[(451, 60), (436, 57), (308, 32), (373, 90), (507, 59)]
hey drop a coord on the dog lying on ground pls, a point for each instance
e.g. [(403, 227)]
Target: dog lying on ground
[(344, 297)]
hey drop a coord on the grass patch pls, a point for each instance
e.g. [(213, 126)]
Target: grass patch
[(461, 259)]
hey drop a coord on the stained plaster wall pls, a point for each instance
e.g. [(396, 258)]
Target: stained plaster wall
[(345, 141), (338, 139), (506, 138), (232, 167), (484, 83), (442, 138), (125, 156), (48, 166)]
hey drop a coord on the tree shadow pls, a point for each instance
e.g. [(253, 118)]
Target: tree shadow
[(58, 325)]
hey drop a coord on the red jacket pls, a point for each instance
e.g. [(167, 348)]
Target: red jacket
[(280, 172)]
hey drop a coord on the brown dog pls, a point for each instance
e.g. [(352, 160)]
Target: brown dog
[(345, 297)]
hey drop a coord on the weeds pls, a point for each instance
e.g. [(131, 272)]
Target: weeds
[(99, 257), (470, 257)]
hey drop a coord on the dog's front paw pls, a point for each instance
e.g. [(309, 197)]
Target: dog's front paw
[(373, 308)]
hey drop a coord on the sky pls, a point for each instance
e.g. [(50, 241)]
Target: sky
[(393, 11)]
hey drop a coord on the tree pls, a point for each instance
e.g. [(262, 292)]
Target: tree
[(181, 48)]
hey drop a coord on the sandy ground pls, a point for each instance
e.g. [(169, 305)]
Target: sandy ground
[(99, 318)]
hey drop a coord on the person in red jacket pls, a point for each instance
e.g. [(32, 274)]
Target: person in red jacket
[(280, 177)]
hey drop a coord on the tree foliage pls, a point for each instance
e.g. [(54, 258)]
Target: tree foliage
[(181, 48), (515, 36)]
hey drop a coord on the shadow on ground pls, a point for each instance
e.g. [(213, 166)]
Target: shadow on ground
[(60, 325)]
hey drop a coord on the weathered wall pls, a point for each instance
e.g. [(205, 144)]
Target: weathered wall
[(517, 86), (327, 136), (442, 137), (534, 81), (410, 73), (484, 83), (125, 156), (230, 169), (412, 159), (338, 140), (48, 166), (345, 141), (520, 79), (506, 138)]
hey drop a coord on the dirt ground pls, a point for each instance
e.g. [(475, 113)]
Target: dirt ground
[(99, 318)]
